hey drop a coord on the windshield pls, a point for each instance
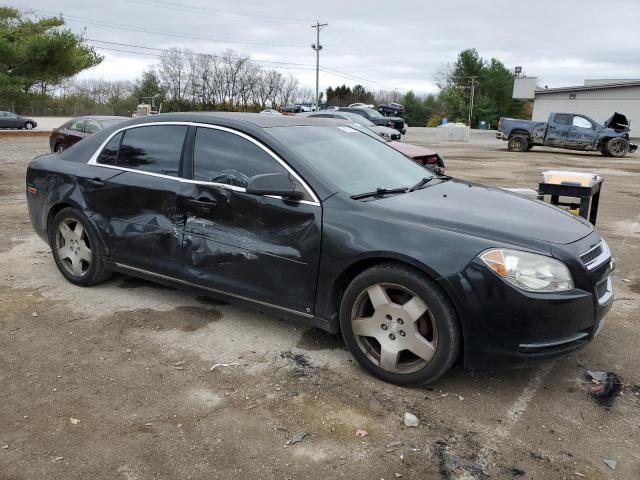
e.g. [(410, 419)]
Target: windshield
[(373, 113), (349, 159), (355, 118)]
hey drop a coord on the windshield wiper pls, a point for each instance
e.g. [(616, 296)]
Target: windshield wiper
[(379, 192), (421, 183)]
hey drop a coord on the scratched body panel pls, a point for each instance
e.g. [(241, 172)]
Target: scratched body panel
[(240, 236)]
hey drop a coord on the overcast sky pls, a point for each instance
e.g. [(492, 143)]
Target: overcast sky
[(399, 44)]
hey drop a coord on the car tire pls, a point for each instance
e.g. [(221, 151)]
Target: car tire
[(28, 125), (430, 325), (59, 148), (518, 144), (77, 251), (617, 147)]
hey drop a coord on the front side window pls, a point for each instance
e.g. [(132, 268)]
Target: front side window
[(76, 125), (154, 149), (581, 122), (223, 157), (91, 126)]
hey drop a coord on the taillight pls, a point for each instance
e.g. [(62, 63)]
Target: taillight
[(32, 190), (500, 123)]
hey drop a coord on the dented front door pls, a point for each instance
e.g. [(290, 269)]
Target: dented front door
[(257, 247)]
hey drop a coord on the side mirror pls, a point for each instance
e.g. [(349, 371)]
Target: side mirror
[(278, 184)]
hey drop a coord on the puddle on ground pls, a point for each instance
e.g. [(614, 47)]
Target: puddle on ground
[(185, 318), (317, 339)]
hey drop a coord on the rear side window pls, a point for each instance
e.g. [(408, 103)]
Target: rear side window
[(155, 149), (109, 154), (224, 157), (91, 126), (76, 125)]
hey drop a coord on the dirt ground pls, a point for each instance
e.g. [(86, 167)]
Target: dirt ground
[(115, 381)]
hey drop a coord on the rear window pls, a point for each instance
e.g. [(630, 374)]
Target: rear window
[(155, 149), (563, 119)]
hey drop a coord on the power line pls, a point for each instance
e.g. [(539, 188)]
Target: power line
[(166, 33), (199, 9)]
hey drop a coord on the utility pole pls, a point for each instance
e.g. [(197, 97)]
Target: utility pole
[(472, 82), (317, 47)]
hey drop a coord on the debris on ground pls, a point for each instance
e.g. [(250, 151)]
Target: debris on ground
[(578, 474), (410, 420), (517, 472), (219, 365), (395, 443), (4, 447), (292, 394), (298, 358), (34, 314), (606, 387), (398, 475), (297, 437), (74, 421), (610, 463), (597, 376), (361, 433)]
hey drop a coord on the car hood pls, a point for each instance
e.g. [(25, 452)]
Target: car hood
[(486, 211), (413, 151)]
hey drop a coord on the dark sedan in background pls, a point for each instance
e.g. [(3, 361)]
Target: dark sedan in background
[(12, 120), (78, 128), (377, 118), (389, 109), (387, 133), (318, 220)]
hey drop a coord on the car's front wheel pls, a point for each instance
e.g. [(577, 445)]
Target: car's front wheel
[(59, 148), (29, 125), (399, 325), (76, 248)]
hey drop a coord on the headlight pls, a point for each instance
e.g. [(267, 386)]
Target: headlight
[(529, 271)]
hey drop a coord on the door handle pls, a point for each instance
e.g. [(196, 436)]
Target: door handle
[(96, 182)]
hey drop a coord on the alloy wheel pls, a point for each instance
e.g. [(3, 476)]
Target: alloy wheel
[(73, 247), (394, 328)]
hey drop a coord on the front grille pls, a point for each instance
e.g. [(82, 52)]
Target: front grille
[(591, 255)]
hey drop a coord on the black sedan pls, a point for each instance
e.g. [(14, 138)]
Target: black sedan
[(78, 128), (391, 109), (13, 120), (314, 219), (377, 118)]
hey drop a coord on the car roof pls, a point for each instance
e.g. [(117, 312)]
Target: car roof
[(249, 119), (100, 118)]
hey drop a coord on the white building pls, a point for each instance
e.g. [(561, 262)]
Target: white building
[(597, 99)]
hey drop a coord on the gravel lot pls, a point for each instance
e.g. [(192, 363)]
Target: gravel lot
[(115, 381)]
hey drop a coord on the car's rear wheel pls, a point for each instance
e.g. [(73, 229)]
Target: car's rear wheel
[(617, 147), (29, 125), (518, 144), (399, 325), (76, 248), (59, 148)]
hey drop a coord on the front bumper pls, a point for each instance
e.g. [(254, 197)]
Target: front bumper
[(500, 136), (505, 327)]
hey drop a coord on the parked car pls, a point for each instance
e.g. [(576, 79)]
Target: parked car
[(12, 120), (421, 155), (292, 109), (568, 130), (377, 118), (78, 128), (327, 224), (362, 105), (390, 109), (387, 133), (270, 111), (307, 107)]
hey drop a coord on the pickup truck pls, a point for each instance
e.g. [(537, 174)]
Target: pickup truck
[(568, 130)]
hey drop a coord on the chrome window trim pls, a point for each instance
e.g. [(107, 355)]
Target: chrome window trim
[(600, 259), (94, 160), (213, 290)]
